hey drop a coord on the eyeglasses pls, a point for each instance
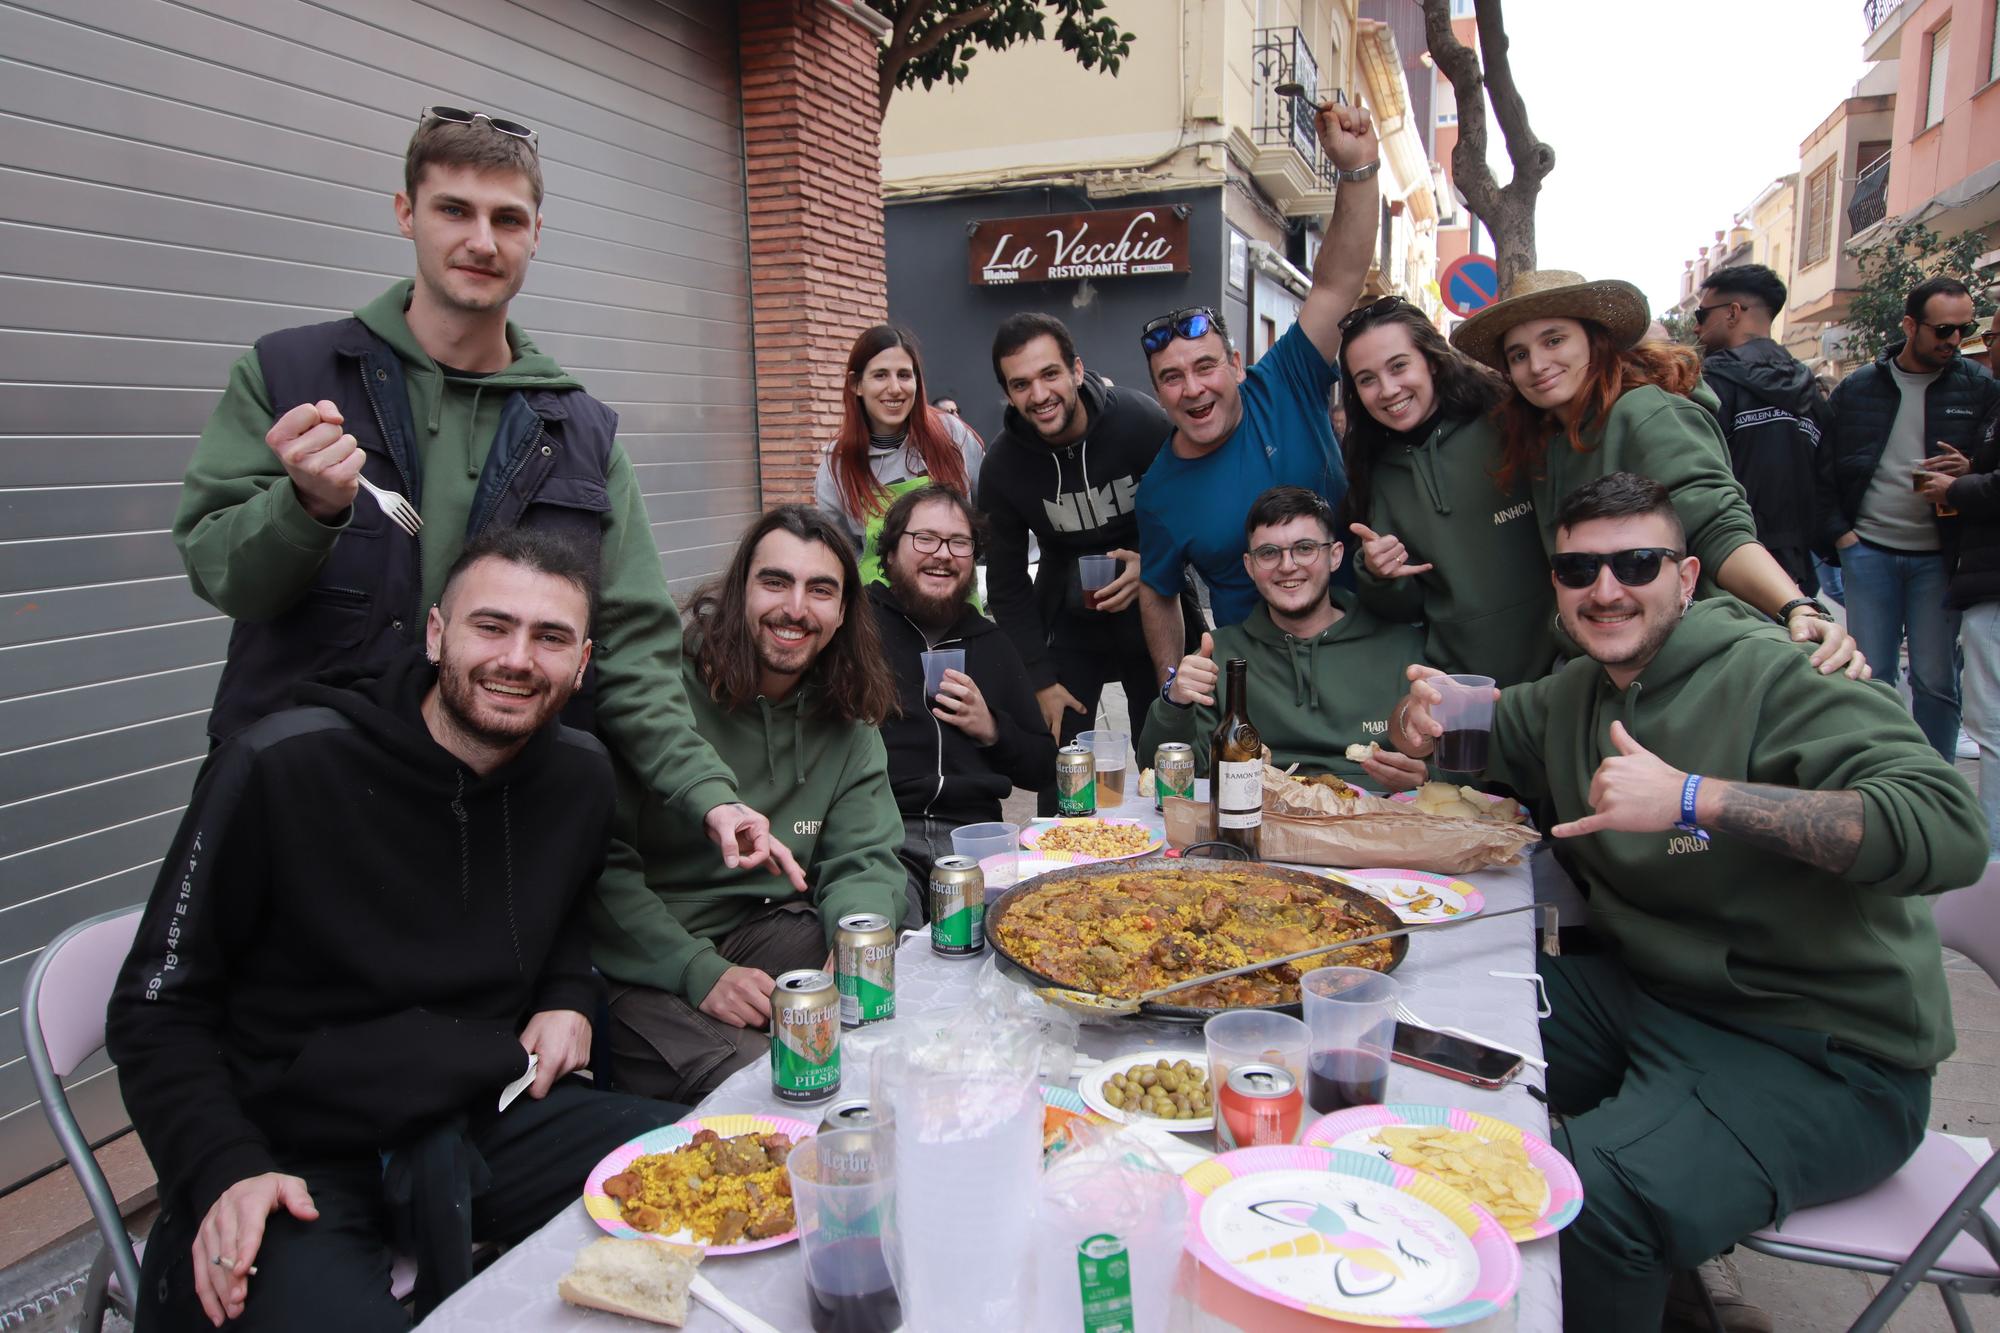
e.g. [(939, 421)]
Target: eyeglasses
[(1702, 312), (1946, 332), (1192, 322), (1362, 314), (928, 542), (459, 116), (1634, 568), (1302, 553)]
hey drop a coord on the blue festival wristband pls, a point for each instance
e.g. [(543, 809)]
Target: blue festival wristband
[(1688, 824)]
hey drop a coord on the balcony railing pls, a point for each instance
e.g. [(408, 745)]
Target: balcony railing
[(1871, 196), (1279, 56), (1874, 11)]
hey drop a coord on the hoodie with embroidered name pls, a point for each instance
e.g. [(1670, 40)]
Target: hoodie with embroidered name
[(1726, 928), (1309, 698), (348, 933), (666, 899)]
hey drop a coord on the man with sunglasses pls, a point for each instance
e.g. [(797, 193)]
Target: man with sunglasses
[(1236, 433), (1916, 410), (431, 391), (1755, 838), (1323, 673)]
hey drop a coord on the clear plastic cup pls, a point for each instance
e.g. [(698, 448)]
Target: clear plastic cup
[(997, 848), (936, 662), (1112, 751), (1467, 716), (1253, 1037), (1351, 1013), (1094, 572), (843, 1189)]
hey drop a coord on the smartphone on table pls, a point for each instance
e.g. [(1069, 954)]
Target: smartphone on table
[(1453, 1057)]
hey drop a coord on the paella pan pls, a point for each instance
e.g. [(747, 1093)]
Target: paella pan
[(1122, 928)]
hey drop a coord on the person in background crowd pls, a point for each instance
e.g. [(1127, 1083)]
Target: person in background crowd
[(1769, 409), (954, 757), (1064, 473), (430, 390), (361, 935), (1656, 332), (1323, 673), (1237, 433), (1782, 1038), (1918, 407), (1983, 348), (1974, 592), (1441, 545), (946, 405), (1588, 398), (784, 669), (891, 440)]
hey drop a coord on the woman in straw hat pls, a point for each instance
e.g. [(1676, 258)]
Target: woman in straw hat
[(1588, 398), (1440, 541)]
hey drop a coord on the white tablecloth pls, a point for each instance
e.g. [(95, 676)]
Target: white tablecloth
[(1445, 980)]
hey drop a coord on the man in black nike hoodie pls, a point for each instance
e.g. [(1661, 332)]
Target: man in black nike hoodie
[(367, 927)]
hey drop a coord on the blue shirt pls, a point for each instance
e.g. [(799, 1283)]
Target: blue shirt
[(1191, 510)]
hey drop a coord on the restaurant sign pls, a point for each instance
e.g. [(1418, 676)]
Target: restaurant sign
[(1113, 243)]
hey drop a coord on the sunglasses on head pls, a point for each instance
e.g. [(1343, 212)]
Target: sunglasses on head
[(1362, 314), (1192, 322), (1947, 332), (459, 116), (1634, 568)]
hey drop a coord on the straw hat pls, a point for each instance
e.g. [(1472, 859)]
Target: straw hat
[(1554, 293)]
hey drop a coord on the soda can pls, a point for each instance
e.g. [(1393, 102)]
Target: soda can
[(1173, 773), (1076, 781), (864, 949), (958, 907), (854, 1113), (1260, 1105), (805, 1036)]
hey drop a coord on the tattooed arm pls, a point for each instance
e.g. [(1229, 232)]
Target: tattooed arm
[(1821, 828)]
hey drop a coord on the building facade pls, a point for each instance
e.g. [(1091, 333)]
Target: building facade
[(1847, 151), (1944, 152)]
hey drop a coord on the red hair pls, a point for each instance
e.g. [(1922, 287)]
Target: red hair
[(860, 494), (1525, 428)]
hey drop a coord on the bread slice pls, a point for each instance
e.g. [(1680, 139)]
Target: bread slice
[(646, 1279)]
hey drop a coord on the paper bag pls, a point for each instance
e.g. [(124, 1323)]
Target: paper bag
[(1401, 837)]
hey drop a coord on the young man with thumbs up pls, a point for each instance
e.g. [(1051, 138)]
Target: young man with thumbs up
[(1755, 837)]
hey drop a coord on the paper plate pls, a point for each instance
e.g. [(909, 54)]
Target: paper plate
[(1091, 1085), (1417, 896), (1033, 833), (1349, 1236), (1351, 1130), (604, 1208), (1027, 865)]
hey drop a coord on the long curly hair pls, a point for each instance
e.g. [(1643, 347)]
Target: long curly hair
[(860, 494), (1525, 428)]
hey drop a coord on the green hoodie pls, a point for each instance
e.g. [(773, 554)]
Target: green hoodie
[(666, 899), (251, 549), (1730, 930), (1487, 607), (1308, 698)]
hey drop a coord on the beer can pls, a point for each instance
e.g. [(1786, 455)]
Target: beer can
[(958, 907), (1173, 773), (854, 1113), (805, 1036), (1076, 781), (864, 948), (1260, 1105)]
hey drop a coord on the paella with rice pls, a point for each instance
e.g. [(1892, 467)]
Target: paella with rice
[(721, 1191)]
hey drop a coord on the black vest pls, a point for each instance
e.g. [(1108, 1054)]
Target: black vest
[(547, 469)]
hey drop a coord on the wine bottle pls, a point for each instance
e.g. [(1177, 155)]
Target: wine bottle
[(1236, 769)]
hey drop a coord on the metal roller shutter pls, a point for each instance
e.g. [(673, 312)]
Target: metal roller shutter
[(179, 178)]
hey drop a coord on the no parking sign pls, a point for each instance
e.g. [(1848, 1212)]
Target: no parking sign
[(1469, 283)]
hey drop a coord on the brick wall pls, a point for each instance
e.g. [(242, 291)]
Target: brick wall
[(813, 162)]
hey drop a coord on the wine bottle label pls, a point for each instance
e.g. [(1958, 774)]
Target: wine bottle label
[(1239, 794)]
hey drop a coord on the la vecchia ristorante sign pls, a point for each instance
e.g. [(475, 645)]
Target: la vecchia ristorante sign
[(1114, 243)]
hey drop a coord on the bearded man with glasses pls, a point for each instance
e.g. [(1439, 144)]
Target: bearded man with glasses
[(1323, 672), (1759, 1034)]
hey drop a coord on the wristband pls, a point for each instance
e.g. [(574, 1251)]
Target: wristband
[(1687, 822), (1167, 690)]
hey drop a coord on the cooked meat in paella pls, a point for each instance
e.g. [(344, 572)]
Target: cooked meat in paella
[(1124, 932)]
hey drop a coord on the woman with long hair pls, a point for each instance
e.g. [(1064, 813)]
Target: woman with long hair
[(891, 440), (1586, 398), (1441, 541)]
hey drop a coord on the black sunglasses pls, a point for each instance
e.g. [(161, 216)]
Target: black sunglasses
[(1634, 568), (459, 116), (1949, 331), (1192, 322), (1362, 314)]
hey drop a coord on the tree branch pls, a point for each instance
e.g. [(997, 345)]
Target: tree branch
[(1469, 172), (902, 52), (1532, 158)]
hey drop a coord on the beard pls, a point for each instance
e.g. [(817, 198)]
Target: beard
[(932, 613), (1654, 635), (464, 703)]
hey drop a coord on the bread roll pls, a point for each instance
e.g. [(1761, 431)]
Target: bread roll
[(646, 1279)]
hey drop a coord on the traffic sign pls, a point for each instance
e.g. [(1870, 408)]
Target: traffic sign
[(1469, 283)]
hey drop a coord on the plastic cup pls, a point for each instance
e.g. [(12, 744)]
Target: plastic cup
[(842, 1194), (1351, 1012), (1112, 750), (1467, 715), (936, 662), (1253, 1037), (997, 848), (1094, 572)]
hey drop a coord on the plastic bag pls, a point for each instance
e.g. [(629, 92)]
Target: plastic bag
[(1112, 1222)]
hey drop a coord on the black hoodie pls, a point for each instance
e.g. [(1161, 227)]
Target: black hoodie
[(348, 933), (1772, 414), (1078, 499)]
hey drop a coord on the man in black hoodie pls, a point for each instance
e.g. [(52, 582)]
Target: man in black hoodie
[(1770, 410), (1065, 471), (368, 932), (954, 757)]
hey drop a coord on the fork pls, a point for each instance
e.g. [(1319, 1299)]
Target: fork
[(400, 511), (1404, 1015)]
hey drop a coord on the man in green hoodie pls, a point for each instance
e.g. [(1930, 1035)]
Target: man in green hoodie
[(429, 390), (1323, 672), (785, 674), (1755, 838)]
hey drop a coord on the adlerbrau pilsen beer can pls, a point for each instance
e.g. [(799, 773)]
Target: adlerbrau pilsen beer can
[(1173, 773), (1076, 781), (805, 1036), (958, 907), (864, 951)]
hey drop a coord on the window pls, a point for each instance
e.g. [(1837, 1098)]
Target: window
[(1816, 236), (1871, 152), (1934, 82), (1993, 56)]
